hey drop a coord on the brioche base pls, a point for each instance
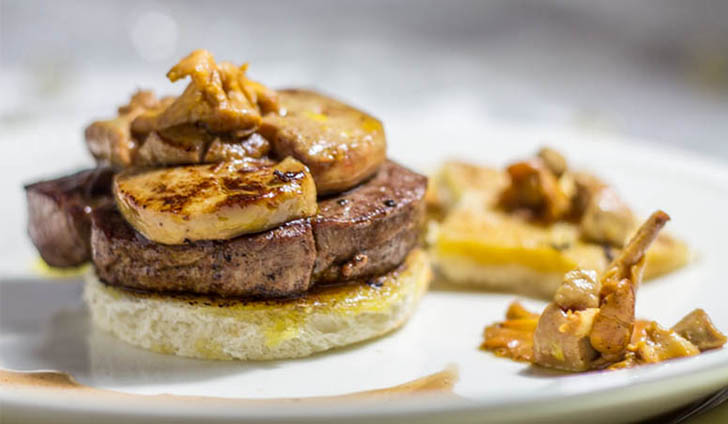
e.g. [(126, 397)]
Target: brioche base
[(666, 255), (218, 328), (507, 278), (475, 244)]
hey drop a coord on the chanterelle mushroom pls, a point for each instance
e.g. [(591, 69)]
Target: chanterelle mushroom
[(579, 290), (699, 330), (613, 324), (219, 96), (591, 323), (553, 160), (536, 188), (606, 219), (549, 191), (111, 141)]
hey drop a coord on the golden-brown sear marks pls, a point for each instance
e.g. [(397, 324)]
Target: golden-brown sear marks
[(239, 190), (219, 201)]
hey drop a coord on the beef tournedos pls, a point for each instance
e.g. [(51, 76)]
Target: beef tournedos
[(59, 221), (364, 232), (272, 263), (361, 233)]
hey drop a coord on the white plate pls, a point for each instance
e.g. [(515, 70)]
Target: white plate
[(43, 324)]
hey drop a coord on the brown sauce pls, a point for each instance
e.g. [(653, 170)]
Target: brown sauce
[(440, 382)]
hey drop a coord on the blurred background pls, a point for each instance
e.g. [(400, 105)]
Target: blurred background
[(657, 70)]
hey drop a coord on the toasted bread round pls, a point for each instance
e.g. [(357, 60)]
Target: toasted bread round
[(219, 328)]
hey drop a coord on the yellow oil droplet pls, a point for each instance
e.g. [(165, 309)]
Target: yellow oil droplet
[(316, 116), (209, 348), (371, 125), (282, 329), (41, 267)]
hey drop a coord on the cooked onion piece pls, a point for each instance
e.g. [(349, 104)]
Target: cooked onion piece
[(214, 202)]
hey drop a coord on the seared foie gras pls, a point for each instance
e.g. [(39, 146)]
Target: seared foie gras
[(340, 144), (214, 202)]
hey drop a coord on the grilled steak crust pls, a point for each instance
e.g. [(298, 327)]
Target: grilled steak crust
[(273, 263), (361, 233), (58, 214), (370, 229)]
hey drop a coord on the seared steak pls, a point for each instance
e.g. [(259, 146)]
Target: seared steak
[(361, 233), (370, 229), (58, 215), (273, 263)]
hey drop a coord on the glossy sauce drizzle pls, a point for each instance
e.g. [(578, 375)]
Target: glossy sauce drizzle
[(440, 382)]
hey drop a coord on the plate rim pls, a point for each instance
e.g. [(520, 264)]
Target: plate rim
[(691, 374)]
